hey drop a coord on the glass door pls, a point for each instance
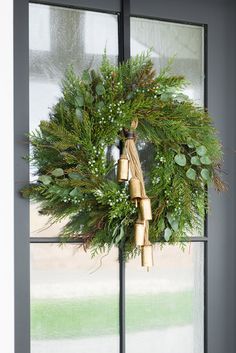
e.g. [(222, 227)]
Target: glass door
[(76, 305)]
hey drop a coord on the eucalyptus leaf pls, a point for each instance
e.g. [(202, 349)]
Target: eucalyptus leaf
[(205, 174), (114, 233), (79, 113), (100, 105), (74, 176), (170, 217), (120, 236), (58, 172), (75, 192), (79, 101), (100, 89), (86, 76), (190, 143), (167, 234), (165, 96), (89, 98), (173, 221), (195, 160), (45, 179), (191, 174), (201, 150), (130, 95), (205, 160), (180, 159)]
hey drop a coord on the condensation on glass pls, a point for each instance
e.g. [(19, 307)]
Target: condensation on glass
[(74, 300), (165, 307), (60, 37)]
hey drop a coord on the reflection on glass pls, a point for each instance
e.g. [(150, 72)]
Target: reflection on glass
[(59, 37), (164, 308), (74, 300), (180, 42)]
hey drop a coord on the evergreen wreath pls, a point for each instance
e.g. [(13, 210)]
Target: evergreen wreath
[(116, 104)]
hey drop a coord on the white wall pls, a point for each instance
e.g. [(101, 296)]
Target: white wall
[(6, 178)]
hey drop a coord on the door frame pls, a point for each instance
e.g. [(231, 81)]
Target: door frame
[(125, 9)]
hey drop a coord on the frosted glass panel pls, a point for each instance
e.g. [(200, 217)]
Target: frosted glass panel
[(59, 37), (74, 301), (165, 307), (180, 42)]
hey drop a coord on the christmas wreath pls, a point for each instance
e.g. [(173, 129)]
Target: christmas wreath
[(133, 108)]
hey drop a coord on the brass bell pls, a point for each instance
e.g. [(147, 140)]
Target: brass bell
[(135, 188), (123, 168), (139, 233), (147, 255), (145, 209)]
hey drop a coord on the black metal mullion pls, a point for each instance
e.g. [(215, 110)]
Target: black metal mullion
[(124, 54), (57, 240), (205, 58), (73, 4)]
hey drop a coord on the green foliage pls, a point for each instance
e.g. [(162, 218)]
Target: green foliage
[(71, 154)]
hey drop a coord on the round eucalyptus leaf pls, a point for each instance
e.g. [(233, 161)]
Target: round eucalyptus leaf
[(58, 172), (180, 159), (130, 95), (190, 145), (45, 179), (191, 174), (201, 150), (100, 105), (165, 96), (79, 101), (195, 160), (205, 160), (167, 234), (75, 192), (100, 89), (205, 174)]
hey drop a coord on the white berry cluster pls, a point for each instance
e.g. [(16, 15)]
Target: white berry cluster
[(97, 163)]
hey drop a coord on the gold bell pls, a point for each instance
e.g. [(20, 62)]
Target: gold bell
[(145, 209), (135, 189), (139, 233), (147, 256), (123, 168)]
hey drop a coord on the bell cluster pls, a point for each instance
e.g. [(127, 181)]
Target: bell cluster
[(138, 196)]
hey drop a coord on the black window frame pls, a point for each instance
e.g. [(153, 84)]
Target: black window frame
[(22, 239)]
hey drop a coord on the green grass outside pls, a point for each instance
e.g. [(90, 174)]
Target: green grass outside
[(58, 319)]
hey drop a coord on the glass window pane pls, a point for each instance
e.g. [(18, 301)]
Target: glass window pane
[(59, 37), (181, 42), (165, 307), (74, 300)]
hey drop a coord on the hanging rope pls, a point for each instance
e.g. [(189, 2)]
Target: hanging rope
[(131, 152)]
